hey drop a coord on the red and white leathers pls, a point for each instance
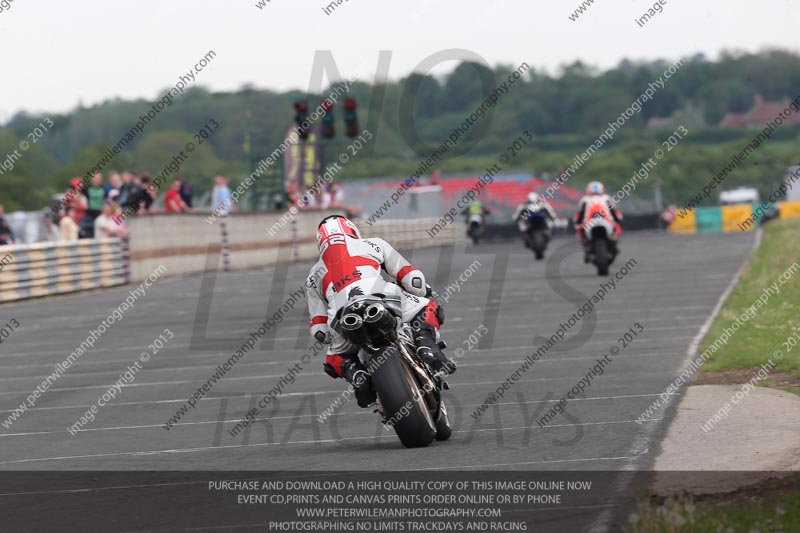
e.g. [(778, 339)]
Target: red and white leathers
[(591, 205), (350, 266)]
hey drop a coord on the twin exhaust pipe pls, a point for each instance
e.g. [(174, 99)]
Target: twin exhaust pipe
[(373, 313)]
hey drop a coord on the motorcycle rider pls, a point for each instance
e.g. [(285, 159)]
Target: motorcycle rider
[(475, 209), (596, 201), (475, 217), (350, 266), (534, 203)]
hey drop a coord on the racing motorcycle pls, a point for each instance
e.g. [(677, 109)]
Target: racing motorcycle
[(409, 392), (475, 225), (599, 233), (537, 233)]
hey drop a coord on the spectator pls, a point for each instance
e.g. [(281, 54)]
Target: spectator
[(104, 225), (277, 198), (173, 203), (114, 184), (74, 197), (292, 192), (307, 199), (49, 230), (134, 201), (186, 192), (338, 195), (19, 227), (118, 218), (221, 201), (126, 188), (6, 235), (95, 197), (327, 197), (145, 199), (68, 226)]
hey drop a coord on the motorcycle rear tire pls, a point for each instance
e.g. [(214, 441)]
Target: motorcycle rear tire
[(601, 256), (443, 429), (398, 389), (538, 243)]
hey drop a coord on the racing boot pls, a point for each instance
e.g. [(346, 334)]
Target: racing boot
[(587, 248), (354, 373), (428, 350)]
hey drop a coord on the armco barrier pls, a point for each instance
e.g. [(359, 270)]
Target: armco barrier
[(687, 224), (789, 209), (733, 216), (709, 219), (728, 218), (640, 221), (42, 269)]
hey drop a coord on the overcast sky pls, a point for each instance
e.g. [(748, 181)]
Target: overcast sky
[(57, 53)]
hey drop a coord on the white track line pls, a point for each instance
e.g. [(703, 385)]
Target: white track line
[(356, 413), (297, 442), (490, 465), (554, 359), (250, 378)]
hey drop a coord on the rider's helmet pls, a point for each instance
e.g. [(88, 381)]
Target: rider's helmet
[(595, 187), (332, 229), (534, 198)]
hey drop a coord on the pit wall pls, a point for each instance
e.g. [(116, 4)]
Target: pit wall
[(189, 244)]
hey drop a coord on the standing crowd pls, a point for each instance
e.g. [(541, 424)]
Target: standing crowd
[(99, 210)]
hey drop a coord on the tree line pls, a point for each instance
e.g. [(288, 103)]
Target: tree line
[(565, 111)]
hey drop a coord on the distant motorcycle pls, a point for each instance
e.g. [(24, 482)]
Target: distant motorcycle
[(475, 227), (537, 233), (409, 391)]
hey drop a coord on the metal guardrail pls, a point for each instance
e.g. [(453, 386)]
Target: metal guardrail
[(43, 269)]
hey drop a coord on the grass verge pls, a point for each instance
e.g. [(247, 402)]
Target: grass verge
[(768, 323), (776, 513)]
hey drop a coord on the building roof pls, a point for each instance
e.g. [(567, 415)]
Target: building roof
[(758, 115)]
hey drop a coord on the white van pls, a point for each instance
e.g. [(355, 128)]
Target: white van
[(740, 195)]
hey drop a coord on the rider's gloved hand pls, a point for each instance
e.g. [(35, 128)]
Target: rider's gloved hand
[(322, 333), (414, 282)]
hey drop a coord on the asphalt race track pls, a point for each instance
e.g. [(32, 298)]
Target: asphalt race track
[(670, 290)]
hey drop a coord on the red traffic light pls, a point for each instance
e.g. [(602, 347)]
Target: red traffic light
[(350, 104), (327, 105), (301, 107)]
